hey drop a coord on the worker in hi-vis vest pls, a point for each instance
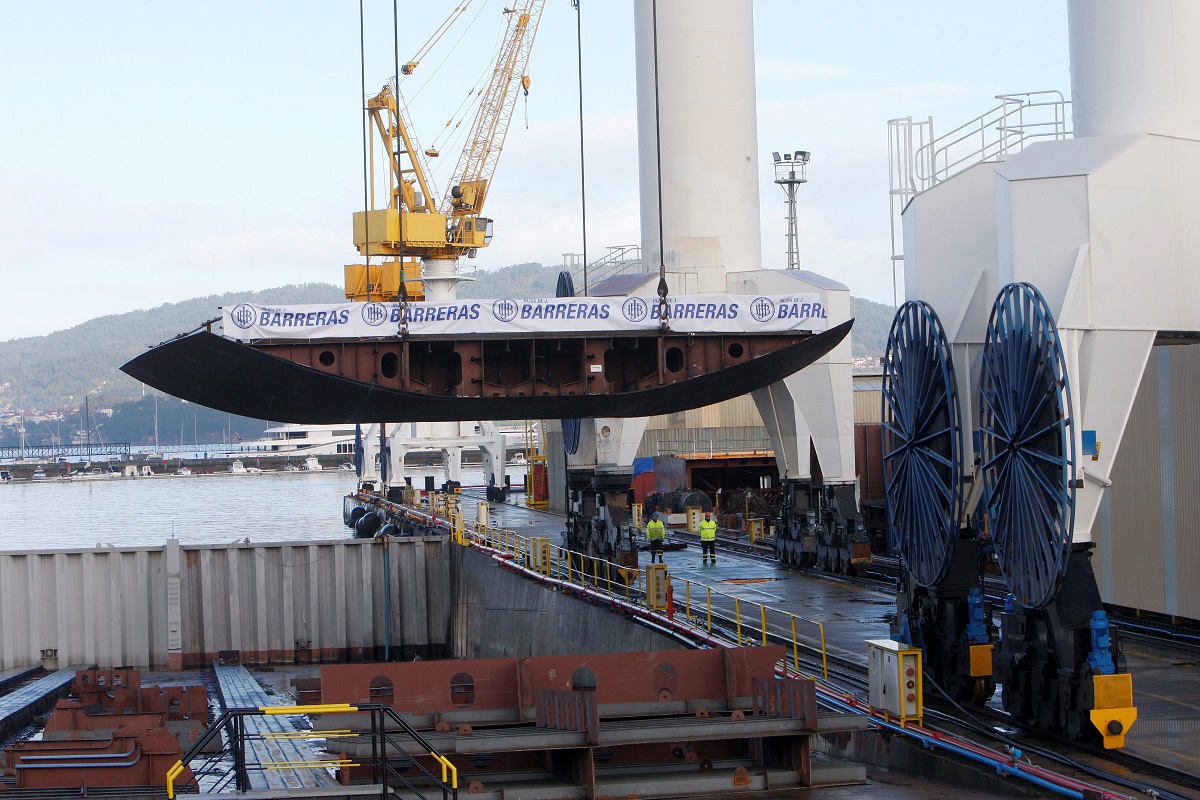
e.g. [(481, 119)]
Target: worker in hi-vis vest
[(656, 532), (708, 537)]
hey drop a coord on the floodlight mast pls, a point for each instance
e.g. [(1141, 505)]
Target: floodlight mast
[(791, 170)]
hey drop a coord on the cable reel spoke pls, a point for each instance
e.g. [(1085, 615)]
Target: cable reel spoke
[(922, 442), (1028, 444)]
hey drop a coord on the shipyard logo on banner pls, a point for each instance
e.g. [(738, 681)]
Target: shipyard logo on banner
[(701, 313), (635, 309), (505, 310), (374, 314), (243, 316), (762, 309)]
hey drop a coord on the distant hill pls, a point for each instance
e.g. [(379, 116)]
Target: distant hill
[(872, 321), (47, 371), (55, 371)]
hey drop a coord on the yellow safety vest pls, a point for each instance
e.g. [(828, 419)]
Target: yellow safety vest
[(655, 529), (708, 530)]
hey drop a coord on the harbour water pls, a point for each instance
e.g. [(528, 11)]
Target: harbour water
[(124, 512)]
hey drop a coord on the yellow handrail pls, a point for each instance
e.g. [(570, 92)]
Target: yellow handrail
[(173, 773), (326, 708), (446, 765), (321, 734)]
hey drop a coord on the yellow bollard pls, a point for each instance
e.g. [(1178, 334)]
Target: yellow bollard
[(764, 625)]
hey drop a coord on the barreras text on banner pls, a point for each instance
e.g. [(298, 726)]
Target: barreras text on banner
[(707, 313)]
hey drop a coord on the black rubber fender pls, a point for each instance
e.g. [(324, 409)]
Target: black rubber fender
[(356, 514), (388, 530), (366, 526)]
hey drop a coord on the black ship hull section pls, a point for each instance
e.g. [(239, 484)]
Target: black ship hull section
[(233, 377)]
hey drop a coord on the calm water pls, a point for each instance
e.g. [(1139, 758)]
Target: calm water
[(198, 508)]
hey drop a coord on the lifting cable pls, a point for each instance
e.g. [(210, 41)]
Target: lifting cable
[(433, 40), (582, 164), (663, 306), (362, 65), (403, 330), (474, 90)]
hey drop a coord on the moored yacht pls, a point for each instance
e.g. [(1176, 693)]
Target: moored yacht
[(290, 440)]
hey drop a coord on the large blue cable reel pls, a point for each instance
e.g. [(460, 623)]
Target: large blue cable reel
[(1027, 445), (922, 443)]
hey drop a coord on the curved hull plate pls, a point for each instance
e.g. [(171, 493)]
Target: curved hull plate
[(241, 379)]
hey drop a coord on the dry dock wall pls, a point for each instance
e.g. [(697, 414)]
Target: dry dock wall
[(499, 613), (180, 606)]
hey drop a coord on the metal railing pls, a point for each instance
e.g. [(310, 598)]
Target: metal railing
[(700, 447), (919, 160), (620, 259), (693, 605), (384, 745)]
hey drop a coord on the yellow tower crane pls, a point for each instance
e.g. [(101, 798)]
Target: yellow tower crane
[(412, 230)]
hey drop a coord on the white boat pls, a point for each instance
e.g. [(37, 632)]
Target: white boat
[(96, 474), (290, 468), (183, 471), (311, 464), (346, 466), (295, 439), (517, 461), (238, 468), (39, 474), (5, 476)]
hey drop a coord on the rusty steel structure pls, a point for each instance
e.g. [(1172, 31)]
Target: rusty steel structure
[(436, 378), (644, 724), (111, 732)]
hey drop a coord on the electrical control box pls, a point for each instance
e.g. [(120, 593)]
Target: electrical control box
[(657, 584), (539, 555), (894, 674)]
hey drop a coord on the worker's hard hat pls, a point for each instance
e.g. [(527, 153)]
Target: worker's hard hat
[(655, 515), (708, 513)]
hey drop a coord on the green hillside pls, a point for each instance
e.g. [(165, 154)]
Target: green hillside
[(55, 370)]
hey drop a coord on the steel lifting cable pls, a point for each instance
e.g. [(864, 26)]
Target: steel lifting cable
[(474, 90), (362, 66), (663, 306), (582, 165), (403, 330), (433, 40), (452, 133)]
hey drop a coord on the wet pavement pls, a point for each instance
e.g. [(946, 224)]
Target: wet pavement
[(1166, 679)]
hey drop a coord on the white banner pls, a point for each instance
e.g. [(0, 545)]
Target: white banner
[(703, 313)]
